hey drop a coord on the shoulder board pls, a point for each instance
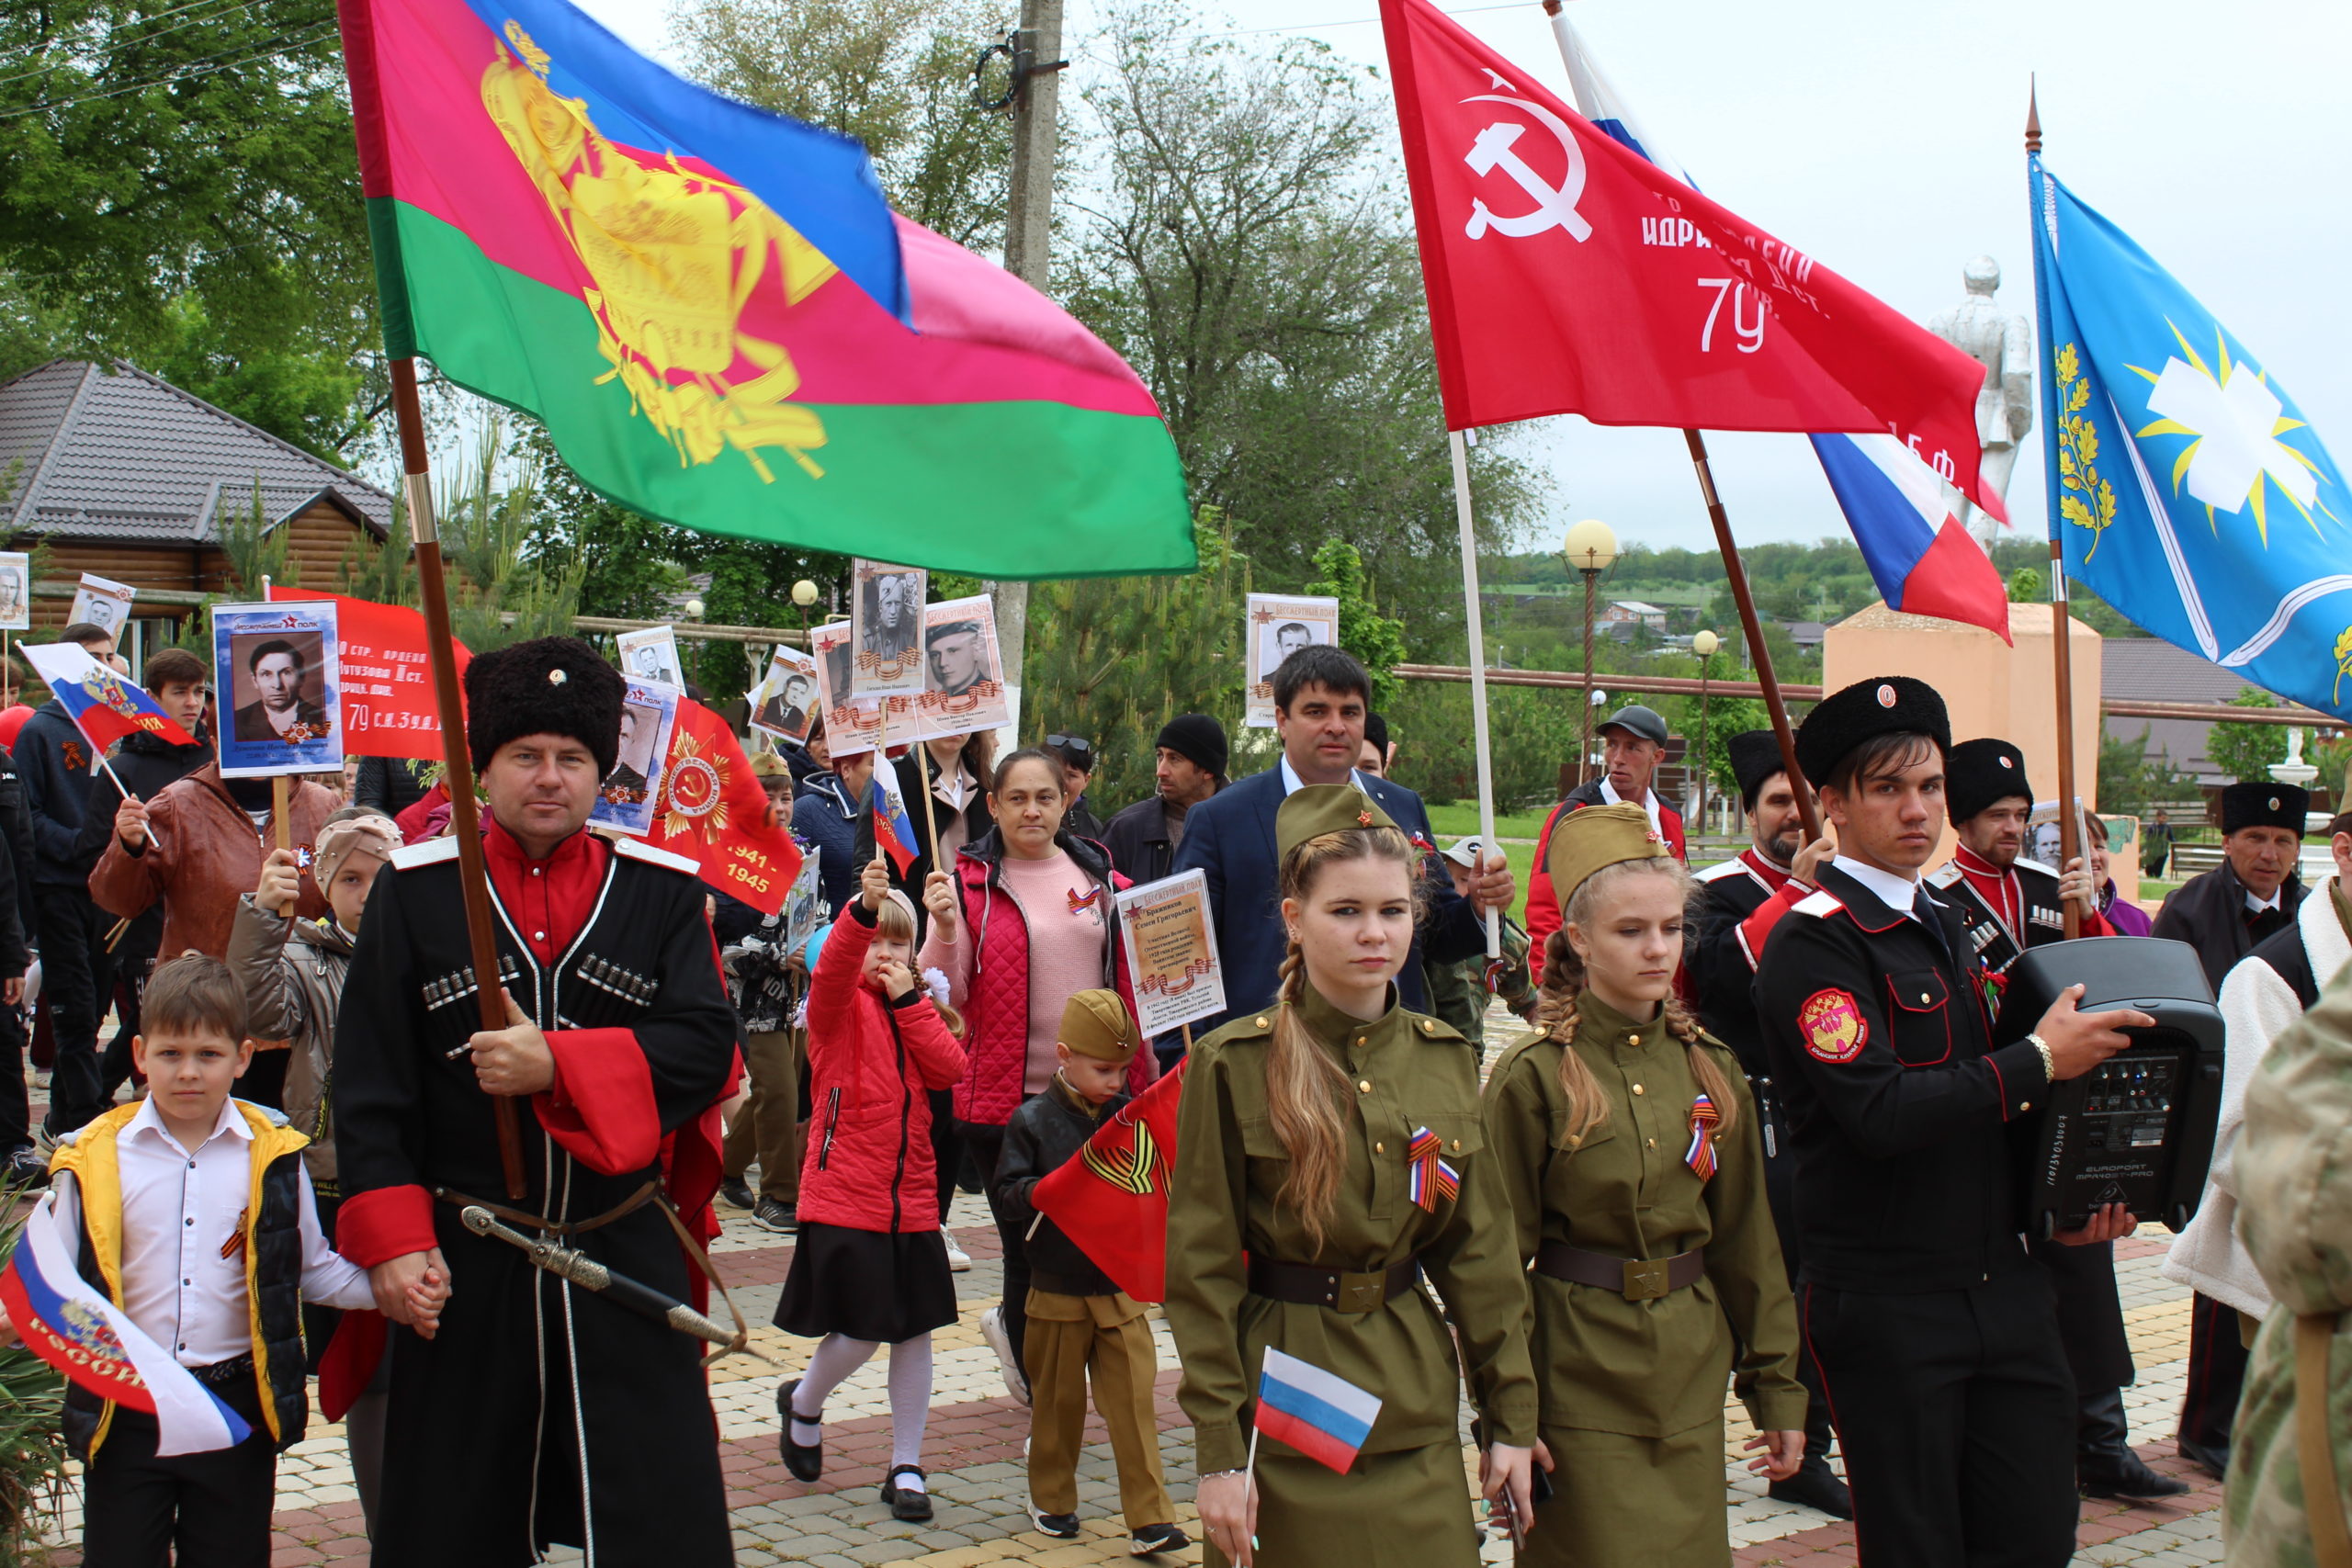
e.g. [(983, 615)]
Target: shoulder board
[(1946, 874), (636, 850), (2049, 871), (1821, 903), (1721, 868), (433, 851)]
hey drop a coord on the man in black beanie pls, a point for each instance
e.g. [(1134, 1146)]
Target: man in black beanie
[(539, 1413), (1190, 767)]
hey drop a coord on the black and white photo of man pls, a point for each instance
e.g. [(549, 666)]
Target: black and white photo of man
[(786, 710), (1289, 637), (893, 610), (625, 785), (958, 657), (276, 672)]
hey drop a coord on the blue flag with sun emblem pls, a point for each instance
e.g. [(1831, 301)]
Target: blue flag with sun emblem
[(2187, 490)]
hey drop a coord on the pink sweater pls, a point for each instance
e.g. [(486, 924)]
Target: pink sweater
[(1065, 950)]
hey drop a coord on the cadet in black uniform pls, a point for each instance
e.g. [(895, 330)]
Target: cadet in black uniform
[(1723, 973), (1934, 1330), (2007, 904)]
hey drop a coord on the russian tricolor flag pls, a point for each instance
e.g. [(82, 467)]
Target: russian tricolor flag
[(65, 1322), (894, 831), (105, 706), (1921, 558), (1323, 1416)]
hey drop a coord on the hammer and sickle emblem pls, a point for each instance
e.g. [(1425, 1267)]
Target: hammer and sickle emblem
[(1555, 206)]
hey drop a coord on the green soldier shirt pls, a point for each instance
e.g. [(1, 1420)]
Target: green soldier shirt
[(1404, 1073), (1647, 1369)]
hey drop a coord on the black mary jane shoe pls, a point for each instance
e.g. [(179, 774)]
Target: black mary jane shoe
[(907, 1503), (805, 1461)]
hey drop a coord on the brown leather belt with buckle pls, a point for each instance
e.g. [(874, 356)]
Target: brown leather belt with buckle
[(524, 1217), (1306, 1285), (1636, 1279)]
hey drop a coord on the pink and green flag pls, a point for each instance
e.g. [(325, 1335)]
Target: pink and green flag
[(720, 320)]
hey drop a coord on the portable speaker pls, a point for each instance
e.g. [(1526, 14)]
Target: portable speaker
[(2138, 1128)]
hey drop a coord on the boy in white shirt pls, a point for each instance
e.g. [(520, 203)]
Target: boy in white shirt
[(192, 1212)]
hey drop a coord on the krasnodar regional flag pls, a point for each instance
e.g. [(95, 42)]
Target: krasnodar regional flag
[(1920, 557), (718, 320), (2189, 493), (1567, 274), (1320, 1414), (68, 1323), (104, 705)]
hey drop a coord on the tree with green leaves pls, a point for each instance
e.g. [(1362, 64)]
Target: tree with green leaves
[(179, 186), (1377, 640), (2246, 752)]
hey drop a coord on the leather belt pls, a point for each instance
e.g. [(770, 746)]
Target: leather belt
[(234, 1370), (1306, 1285), (1636, 1279), (629, 1205)]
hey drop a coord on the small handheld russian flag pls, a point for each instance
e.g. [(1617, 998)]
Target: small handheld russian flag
[(105, 705), (67, 1324), (1324, 1417)]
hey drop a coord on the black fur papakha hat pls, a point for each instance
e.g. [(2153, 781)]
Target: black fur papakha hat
[(550, 685), (2258, 805), (1887, 705), (1755, 758), (1982, 774)]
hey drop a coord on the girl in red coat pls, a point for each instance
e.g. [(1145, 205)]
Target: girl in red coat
[(870, 1267)]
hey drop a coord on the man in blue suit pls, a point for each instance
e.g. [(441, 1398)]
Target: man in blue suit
[(1320, 698)]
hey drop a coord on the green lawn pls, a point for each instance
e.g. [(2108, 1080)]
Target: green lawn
[(1461, 817)]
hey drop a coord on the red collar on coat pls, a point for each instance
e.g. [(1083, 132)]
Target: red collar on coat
[(548, 900), (1999, 888)]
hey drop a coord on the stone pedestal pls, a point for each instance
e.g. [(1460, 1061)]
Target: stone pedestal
[(1992, 688)]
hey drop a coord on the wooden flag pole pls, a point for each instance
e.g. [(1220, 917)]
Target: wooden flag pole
[(1806, 810), (457, 773), (281, 809), (2061, 652), (929, 821)]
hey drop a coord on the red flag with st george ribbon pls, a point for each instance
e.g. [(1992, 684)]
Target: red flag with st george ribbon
[(1566, 273), (1112, 1200), (713, 810), (386, 677)]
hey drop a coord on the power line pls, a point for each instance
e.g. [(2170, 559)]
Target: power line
[(190, 74), (219, 10)]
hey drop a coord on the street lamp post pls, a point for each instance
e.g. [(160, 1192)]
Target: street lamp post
[(804, 594), (1705, 645), (1590, 548)]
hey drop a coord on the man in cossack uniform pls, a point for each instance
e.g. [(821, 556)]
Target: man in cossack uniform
[(1937, 1344), (1723, 978), (2006, 904), (2224, 914), (539, 1413)]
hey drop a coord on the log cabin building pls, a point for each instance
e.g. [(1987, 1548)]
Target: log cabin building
[(122, 474)]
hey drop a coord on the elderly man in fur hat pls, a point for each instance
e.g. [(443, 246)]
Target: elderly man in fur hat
[(539, 1413)]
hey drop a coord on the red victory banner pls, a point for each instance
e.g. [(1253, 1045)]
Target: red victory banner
[(1113, 1200), (712, 811), (386, 679)]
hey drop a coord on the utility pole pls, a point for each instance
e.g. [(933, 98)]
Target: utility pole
[(1037, 65)]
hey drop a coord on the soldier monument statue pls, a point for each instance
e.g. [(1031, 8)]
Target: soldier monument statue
[(2003, 344)]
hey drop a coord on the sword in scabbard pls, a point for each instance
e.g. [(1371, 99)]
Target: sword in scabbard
[(565, 1263)]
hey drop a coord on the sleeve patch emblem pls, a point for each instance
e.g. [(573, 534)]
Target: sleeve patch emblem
[(1833, 1026)]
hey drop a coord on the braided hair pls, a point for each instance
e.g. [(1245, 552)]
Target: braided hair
[(1563, 986)]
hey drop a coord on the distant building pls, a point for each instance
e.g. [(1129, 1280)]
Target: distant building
[(1633, 613), (122, 474), (1806, 635), (2150, 670)]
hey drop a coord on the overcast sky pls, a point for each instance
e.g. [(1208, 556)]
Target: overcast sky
[(1885, 140)]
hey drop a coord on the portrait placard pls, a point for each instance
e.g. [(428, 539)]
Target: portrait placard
[(651, 655), (787, 702), (1278, 625), (625, 800), (963, 685), (804, 906), (277, 668), (1172, 951), (102, 602), (885, 625), (853, 724), (15, 591)]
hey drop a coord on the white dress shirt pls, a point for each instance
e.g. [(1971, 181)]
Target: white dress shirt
[(180, 1210), (1292, 783), (1649, 803), (2255, 906), (1899, 893)]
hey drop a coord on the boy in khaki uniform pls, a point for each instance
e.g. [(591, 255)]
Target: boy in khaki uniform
[(1080, 1324)]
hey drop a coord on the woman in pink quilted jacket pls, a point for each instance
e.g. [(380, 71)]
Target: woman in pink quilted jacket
[(1024, 922), (870, 1267)]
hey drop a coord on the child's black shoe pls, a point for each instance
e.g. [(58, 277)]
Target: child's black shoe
[(806, 1461), (911, 1504), (1153, 1539), (1061, 1527)]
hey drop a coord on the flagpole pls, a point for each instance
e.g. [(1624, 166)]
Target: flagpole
[(1753, 629), (1460, 445), (2062, 651), (457, 773)]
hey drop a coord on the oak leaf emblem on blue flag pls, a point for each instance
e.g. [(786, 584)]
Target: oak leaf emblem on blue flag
[(2191, 492)]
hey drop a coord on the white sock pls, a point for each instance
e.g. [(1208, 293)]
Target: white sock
[(836, 1357), (909, 1402)]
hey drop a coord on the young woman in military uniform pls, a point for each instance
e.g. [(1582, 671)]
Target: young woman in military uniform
[(1329, 1155), (1628, 1145)]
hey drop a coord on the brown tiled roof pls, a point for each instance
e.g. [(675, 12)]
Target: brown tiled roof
[(109, 452)]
